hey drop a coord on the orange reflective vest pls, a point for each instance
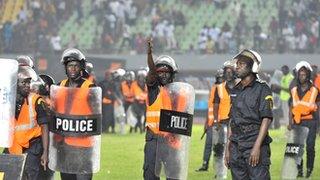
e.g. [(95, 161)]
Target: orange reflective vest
[(211, 105), (225, 102), (163, 101), (26, 127), (127, 91), (76, 108), (302, 109), (139, 94), (317, 81)]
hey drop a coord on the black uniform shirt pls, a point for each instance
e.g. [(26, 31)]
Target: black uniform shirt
[(153, 92), (250, 105)]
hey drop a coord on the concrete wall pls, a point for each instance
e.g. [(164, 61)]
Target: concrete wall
[(186, 63)]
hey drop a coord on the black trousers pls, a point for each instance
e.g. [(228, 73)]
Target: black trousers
[(207, 146), (311, 142), (240, 168), (32, 165)]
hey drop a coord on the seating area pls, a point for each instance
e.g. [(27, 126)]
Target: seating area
[(86, 26), (10, 10)]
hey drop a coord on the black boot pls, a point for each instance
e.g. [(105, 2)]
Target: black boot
[(204, 167), (309, 172)]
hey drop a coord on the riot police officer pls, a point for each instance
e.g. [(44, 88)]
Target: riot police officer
[(303, 107), (248, 149), (209, 122), (69, 91), (31, 127), (161, 73)]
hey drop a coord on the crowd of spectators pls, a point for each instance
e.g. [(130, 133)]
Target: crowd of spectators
[(294, 29), (35, 29)]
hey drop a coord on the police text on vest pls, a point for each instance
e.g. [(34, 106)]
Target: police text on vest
[(74, 126), (292, 149), (178, 122)]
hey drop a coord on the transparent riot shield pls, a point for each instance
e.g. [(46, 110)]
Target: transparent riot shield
[(11, 166), (172, 154), (120, 115), (131, 117), (219, 140), (8, 88), (294, 151), (75, 138)]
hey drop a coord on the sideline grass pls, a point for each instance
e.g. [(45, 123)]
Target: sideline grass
[(122, 156)]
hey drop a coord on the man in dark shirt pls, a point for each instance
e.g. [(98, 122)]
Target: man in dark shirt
[(248, 150)]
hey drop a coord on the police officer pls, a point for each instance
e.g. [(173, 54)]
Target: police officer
[(127, 89), (209, 122), (107, 103), (248, 149), (303, 107), (140, 96), (44, 92), (221, 109), (31, 127), (75, 62), (161, 73)]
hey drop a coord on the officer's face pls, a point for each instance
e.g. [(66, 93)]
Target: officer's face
[(302, 76), (23, 87), (73, 69), (228, 74), (164, 75), (242, 69)]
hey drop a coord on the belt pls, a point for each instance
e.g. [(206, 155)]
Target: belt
[(245, 129)]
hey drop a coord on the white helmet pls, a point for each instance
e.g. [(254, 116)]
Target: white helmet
[(301, 64), (73, 54), (142, 72), (130, 75), (25, 72), (252, 55), (228, 64), (25, 60), (167, 60)]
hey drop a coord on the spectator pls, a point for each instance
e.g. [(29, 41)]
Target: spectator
[(169, 32), (202, 41), (139, 44), (73, 43), (209, 45), (256, 36), (302, 42), (7, 36)]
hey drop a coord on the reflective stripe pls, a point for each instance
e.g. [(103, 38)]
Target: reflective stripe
[(152, 124), (153, 114), (210, 109), (32, 122), (310, 103), (210, 116)]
